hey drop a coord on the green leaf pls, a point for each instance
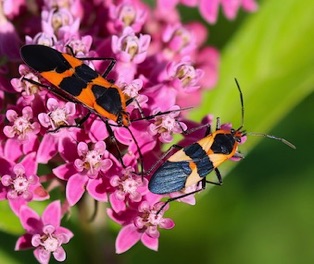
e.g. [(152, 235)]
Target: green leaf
[(9, 222), (272, 57)]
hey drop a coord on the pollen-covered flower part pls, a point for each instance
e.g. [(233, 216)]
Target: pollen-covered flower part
[(154, 65)]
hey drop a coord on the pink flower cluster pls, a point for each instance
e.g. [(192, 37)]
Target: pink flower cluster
[(161, 62)]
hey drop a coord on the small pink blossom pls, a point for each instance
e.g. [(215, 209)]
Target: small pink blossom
[(59, 22), (91, 162), (126, 14), (59, 114), (166, 125), (179, 40), (141, 225), (132, 90), (25, 87), (184, 76), (80, 46), (129, 47), (42, 38), (19, 183), (74, 6), (22, 127), (89, 171), (127, 187), (44, 234), (22, 184)]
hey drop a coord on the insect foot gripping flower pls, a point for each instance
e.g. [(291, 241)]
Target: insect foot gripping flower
[(44, 234)]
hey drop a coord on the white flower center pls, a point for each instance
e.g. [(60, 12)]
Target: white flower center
[(20, 184), (51, 244), (129, 185), (58, 116), (21, 125)]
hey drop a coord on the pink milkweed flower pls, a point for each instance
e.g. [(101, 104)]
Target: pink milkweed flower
[(59, 22), (184, 77), (129, 47), (89, 171), (42, 38), (141, 225), (74, 6), (80, 45), (132, 90), (22, 184), (22, 128), (126, 14), (166, 125), (178, 40), (60, 114), (44, 233), (128, 189), (27, 88)]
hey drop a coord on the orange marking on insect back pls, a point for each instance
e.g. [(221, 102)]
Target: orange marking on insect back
[(56, 78), (74, 62), (87, 96), (194, 176), (218, 159), (207, 142), (103, 82)]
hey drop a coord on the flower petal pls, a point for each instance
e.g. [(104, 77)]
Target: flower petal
[(127, 238), (47, 148), (75, 188), (116, 204), (24, 242), (30, 220), (52, 214), (30, 164), (59, 254), (64, 171), (97, 189), (151, 243)]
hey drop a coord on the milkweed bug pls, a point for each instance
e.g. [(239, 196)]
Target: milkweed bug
[(75, 81), (191, 164)]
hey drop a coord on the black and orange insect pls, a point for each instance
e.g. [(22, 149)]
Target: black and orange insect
[(191, 164), (74, 81)]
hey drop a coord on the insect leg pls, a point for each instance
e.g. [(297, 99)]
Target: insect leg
[(203, 181)]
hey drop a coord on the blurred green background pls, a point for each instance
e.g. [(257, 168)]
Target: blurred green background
[(264, 212)]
